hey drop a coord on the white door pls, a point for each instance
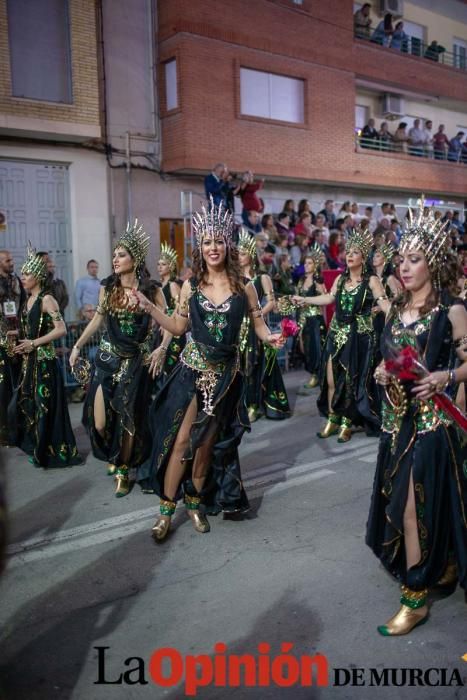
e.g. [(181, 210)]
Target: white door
[(35, 197)]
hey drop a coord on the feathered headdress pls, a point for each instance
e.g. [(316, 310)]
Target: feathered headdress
[(247, 243), (169, 255), (215, 221), (423, 232), (136, 241), (360, 239), (34, 264)]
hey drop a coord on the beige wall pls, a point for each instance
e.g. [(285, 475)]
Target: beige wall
[(439, 27)]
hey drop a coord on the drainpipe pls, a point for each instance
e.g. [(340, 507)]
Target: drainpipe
[(128, 176)]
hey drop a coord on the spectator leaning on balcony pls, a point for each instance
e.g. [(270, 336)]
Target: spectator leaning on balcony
[(399, 38), (384, 31), (416, 139), (401, 137), (214, 184), (440, 143), (369, 136), (433, 51), (428, 138), (385, 137), (464, 152), (362, 21), (455, 147)]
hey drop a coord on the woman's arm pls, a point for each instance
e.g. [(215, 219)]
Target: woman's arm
[(256, 315), (93, 326), (394, 285), (266, 284), (50, 306), (175, 324), (379, 294), (320, 299), (436, 382)]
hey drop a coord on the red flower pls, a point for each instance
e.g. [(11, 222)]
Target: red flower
[(289, 328), (406, 365)]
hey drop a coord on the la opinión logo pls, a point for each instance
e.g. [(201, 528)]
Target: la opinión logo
[(168, 668)]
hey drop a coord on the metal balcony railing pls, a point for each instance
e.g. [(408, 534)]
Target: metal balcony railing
[(414, 46), (419, 151)]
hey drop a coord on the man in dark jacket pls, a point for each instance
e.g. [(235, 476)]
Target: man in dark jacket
[(214, 184)]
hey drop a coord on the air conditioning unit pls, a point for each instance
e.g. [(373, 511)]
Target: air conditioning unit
[(395, 7), (392, 106)]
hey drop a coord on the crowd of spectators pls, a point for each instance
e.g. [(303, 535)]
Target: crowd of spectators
[(391, 34), (284, 240), (419, 140)]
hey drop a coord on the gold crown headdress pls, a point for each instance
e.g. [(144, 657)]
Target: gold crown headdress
[(34, 264), (423, 232), (214, 220), (247, 243), (315, 253), (387, 250), (169, 255), (136, 241), (360, 239)]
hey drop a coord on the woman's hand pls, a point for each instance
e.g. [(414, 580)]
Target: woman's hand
[(433, 383), (24, 347), (299, 301), (382, 377), (139, 299), (74, 355), (276, 340), (157, 359), (12, 334)]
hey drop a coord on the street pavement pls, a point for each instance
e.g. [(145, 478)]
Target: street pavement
[(84, 572)]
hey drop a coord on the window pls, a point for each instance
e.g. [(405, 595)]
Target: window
[(361, 117), (416, 34), (272, 96), (39, 40), (171, 91), (459, 49)]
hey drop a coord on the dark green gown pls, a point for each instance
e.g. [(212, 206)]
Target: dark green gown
[(422, 441), (350, 344), (121, 368), (312, 328), (265, 386), (209, 369), (43, 428)]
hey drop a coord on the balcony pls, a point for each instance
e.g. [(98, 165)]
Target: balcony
[(416, 65)]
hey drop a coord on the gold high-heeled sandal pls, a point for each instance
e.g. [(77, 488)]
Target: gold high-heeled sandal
[(413, 612), (123, 482), (332, 426), (199, 520), (252, 414), (111, 469), (161, 527), (313, 381), (345, 432)]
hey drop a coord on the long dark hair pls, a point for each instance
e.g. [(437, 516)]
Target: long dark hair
[(232, 268), (446, 280)]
